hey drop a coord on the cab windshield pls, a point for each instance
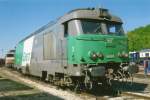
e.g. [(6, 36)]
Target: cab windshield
[(10, 55), (101, 27), (114, 29), (91, 27)]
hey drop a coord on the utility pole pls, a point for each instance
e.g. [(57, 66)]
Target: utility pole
[(2, 53)]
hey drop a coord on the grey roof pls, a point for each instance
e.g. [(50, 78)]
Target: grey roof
[(93, 13), (83, 13), (40, 30)]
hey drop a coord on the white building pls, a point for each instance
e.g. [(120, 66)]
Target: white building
[(145, 53)]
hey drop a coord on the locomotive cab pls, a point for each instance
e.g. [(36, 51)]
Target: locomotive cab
[(96, 45)]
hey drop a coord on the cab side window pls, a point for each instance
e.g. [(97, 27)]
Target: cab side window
[(65, 30)]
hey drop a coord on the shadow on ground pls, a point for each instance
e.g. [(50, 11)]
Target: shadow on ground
[(37, 96), (118, 87), (128, 87), (10, 85)]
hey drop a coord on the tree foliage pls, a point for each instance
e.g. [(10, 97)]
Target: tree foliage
[(139, 38)]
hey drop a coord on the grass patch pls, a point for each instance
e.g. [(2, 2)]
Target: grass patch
[(37, 96), (10, 85)]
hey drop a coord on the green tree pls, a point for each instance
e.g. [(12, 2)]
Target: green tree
[(139, 38)]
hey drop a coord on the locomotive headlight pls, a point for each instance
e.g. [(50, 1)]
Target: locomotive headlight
[(93, 56), (99, 55), (126, 55)]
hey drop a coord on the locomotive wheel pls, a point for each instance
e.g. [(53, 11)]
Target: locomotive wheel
[(44, 75), (129, 78), (120, 76), (89, 85), (106, 86), (77, 88), (51, 78)]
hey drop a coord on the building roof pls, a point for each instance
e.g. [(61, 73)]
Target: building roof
[(145, 50)]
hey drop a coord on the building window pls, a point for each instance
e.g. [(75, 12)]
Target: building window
[(146, 54)]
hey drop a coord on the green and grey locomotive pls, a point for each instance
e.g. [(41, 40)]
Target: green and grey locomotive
[(85, 46)]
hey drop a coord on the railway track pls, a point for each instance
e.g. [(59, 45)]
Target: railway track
[(45, 86), (141, 89), (84, 95), (143, 96), (141, 76), (91, 95), (98, 94)]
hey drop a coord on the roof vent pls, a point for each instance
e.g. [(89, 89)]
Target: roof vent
[(103, 13)]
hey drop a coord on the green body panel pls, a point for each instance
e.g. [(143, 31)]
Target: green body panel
[(19, 53), (109, 45)]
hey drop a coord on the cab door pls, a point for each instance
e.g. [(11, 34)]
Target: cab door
[(63, 47)]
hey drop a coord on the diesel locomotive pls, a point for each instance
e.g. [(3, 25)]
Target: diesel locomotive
[(9, 59), (85, 47)]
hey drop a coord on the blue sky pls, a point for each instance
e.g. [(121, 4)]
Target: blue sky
[(19, 18)]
